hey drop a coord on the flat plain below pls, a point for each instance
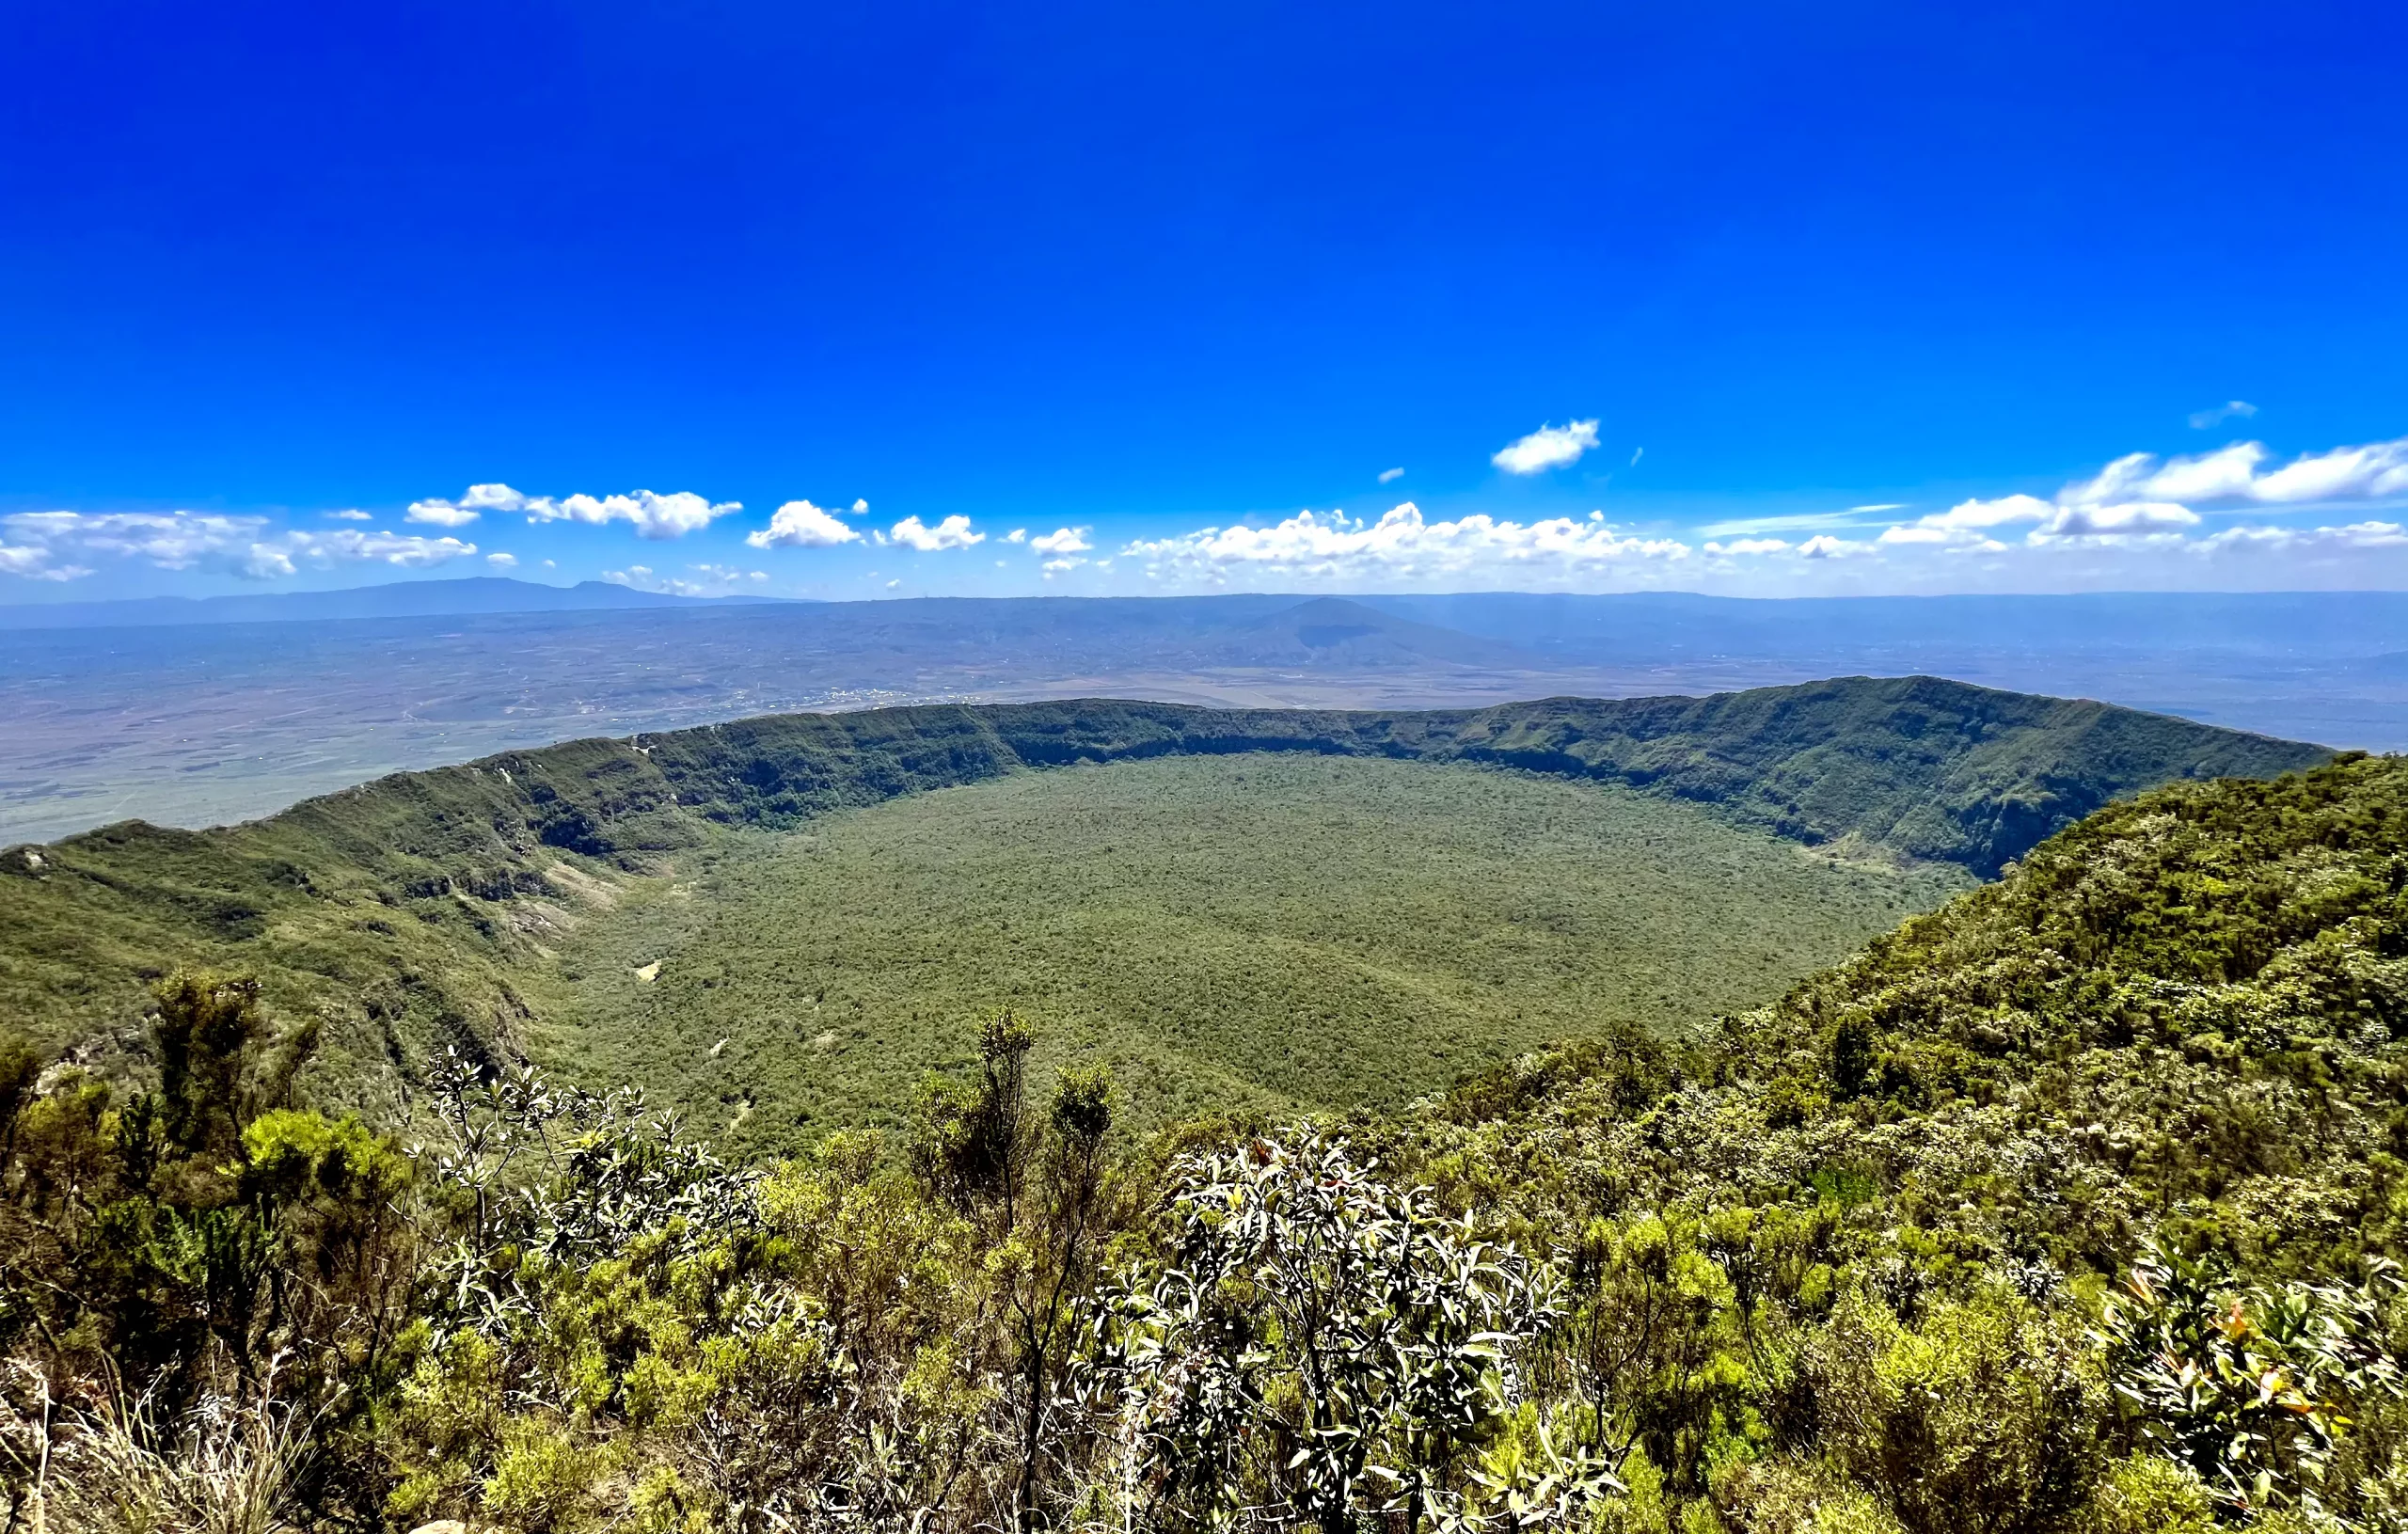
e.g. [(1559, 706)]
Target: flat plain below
[(1231, 932)]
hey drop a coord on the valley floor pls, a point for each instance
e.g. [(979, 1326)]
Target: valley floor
[(1268, 932)]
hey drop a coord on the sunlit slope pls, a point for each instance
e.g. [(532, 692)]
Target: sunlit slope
[(1270, 930), (428, 909)]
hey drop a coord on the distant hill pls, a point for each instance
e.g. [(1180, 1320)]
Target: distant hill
[(1335, 631), (408, 911), (399, 599)]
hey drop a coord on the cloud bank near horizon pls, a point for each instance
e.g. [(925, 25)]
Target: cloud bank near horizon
[(2141, 517), (51, 546), (653, 516), (2236, 515)]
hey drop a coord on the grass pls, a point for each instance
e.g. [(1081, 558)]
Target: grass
[(1236, 931)]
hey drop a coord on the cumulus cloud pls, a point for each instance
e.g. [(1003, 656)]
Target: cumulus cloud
[(1974, 525), (170, 540), (33, 562), (2141, 499), (1402, 545), (441, 513), (953, 532), (2142, 505), (799, 524), (1749, 546), (1550, 447), (2131, 519), (51, 541), (1061, 541), (1825, 547), (1389, 476), (355, 514), (2357, 535), (408, 551), (2202, 419), (706, 579), (652, 515), (1018, 535), (2237, 474), (501, 561)]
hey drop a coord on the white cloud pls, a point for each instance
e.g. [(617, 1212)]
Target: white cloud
[(799, 524), (1063, 540), (1749, 527), (2142, 502), (32, 562), (1878, 506), (709, 579), (1968, 514), (502, 560), (2202, 419), (1389, 476), (242, 545), (1403, 547), (1749, 546), (1970, 525), (1825, 547), (1018, 535), (266, 562), (2232, 474), (408, 551), (652, 515), (2131, 519), (953, 532), (1550, 447), (170, 540), (353, 515), (2357, 535), (441, 513)]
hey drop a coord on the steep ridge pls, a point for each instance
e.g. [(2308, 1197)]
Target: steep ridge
[(399, 910)]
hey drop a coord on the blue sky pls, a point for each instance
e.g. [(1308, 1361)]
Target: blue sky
[(1171, 288)]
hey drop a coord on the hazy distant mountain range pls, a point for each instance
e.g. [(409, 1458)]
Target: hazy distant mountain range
[(1590, 629), (191, 712)]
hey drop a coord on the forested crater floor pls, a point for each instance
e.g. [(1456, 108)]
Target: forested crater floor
[(1260, 931), (499, 908)]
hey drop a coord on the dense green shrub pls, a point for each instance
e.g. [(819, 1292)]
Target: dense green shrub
[(2071, 1208)]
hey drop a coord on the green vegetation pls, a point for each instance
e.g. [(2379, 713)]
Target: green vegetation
[(2072, 1208), (1268, 932), (1885, 1218), (426, 911)]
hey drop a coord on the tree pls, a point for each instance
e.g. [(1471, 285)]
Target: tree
[(1324, 1346)]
